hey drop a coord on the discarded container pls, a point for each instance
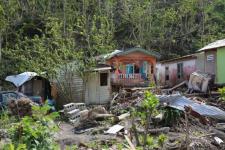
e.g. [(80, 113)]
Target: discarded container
[(199, 81)]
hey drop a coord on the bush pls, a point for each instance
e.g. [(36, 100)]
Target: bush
[(34, 132)]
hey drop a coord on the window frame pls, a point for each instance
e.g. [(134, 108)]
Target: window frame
[(180, 70), (105, 82), (167, 74)]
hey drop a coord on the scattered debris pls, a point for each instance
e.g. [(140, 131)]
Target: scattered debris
[(199, 81), (114, 129), (179, 102), (21, 107)]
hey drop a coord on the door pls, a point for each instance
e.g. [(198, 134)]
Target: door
[(210, 64), (92, 89), (104, 88)]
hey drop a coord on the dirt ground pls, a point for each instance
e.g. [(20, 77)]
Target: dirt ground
[(67, 137)]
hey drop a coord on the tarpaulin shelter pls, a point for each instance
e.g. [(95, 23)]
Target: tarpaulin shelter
[(31, 84)]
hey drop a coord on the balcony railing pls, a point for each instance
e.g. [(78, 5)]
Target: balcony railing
[(129, 79)]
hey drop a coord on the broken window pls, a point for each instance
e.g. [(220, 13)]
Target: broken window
[(180, 71), (103, 79), (152, 69), (167, 77)]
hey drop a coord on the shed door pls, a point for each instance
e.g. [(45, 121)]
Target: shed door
[(93, 89), (210, 63), (104, 86)]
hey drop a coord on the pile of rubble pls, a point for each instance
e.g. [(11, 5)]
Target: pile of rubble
[(200, 125), (21, 107)]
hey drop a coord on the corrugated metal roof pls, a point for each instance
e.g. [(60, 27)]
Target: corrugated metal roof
[(192, 56), (103, 69), (216, 44), (127, 51)]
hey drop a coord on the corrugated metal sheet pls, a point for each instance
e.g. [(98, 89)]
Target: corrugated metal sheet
[(178, 102), (216, 44)]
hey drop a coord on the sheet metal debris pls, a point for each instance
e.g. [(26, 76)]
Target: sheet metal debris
[(178, 102), (20, 79), (114, 129)]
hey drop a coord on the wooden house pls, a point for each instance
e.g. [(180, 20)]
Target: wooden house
[(211, 60), (132, 67), (174, 71)]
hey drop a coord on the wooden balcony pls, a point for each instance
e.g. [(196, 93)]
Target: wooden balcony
[(130, 80)]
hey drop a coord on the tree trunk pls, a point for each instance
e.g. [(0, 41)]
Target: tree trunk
[(0, 47)]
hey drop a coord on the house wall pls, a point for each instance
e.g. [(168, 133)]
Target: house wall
[(94, 93), (37, 86), (189, 66), (220, 65), (210, 62), (200, 62), (135, 57), (70, 87)]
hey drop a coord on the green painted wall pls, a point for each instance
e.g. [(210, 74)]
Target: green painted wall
[(221, 65)]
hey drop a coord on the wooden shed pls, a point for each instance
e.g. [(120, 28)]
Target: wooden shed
[(93, 87), (98, 86), (212, 57), (31, 84)]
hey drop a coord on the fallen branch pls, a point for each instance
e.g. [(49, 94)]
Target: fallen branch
[(122, 117), (103, 116), (218, 133), (132, 147)]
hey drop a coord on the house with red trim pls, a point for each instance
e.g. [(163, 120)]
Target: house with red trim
[(132, 67)]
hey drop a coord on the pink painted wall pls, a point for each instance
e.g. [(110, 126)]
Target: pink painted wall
[(189, 66)]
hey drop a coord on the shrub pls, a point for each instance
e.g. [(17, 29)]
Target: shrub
[(36, 131)]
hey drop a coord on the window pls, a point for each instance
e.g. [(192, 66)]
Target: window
[(167, 77), (152, 69), (129, 69), (180, 71), (103, 79)]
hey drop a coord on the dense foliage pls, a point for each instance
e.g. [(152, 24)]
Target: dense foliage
[(34, 132), (39, 35)]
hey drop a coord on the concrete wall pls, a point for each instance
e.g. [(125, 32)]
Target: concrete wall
[(189, 66)]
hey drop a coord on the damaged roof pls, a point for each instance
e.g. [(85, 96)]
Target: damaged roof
[(20, 79), (186, 57), (216, 44), (128, 51)]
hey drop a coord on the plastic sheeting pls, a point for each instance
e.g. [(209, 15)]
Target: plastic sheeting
[(178, 102), (20, 79)]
